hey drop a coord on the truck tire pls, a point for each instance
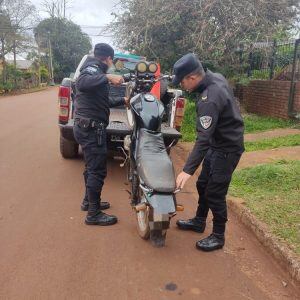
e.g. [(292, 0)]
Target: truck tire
[(68, 149)]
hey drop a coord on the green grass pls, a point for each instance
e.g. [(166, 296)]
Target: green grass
[(284, 141), (272, 193), (253, 123), (188, 129)]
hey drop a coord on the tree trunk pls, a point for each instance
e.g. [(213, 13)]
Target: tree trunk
[(15, 63), (3, 62)]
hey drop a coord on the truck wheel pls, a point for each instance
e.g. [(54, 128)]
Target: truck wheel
[(68, 149)]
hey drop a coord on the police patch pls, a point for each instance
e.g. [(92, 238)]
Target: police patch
[(91, 70), (205, 121)]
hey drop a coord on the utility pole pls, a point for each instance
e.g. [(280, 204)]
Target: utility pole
[(50, 61), (64, 9)]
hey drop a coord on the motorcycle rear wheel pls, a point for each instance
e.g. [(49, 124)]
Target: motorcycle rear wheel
[(142, 216), (142, 219)]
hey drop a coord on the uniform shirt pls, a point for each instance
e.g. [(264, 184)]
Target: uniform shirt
[(219, 123), (92, 98)]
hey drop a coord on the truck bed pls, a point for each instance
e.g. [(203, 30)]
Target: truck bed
[(118, 126)]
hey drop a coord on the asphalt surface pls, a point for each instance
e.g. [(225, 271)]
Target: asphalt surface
[(47, 252)]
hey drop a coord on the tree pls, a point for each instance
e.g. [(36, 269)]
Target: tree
[(6, 32), (56, 8), (68, 44), (17, 18), (167, 29)]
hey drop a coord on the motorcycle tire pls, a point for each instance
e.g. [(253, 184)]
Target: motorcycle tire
[(142, 219)]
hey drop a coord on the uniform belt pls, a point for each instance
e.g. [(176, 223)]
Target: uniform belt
[(89, 123)]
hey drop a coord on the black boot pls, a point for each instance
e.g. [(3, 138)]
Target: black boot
[(101, 219), (85, 205), (95, 216), (213, 242), (196, 224)]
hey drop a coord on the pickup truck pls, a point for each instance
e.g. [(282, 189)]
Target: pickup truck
[(119, 125)]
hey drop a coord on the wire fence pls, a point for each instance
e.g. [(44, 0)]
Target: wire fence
[(278, 60)]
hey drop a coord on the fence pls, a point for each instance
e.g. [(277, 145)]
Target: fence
[(277, 60), (278, 64)]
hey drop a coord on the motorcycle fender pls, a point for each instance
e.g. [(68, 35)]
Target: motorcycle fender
[(162, 206)]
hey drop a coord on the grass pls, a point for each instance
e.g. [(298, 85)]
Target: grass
[(188, 129), (271, 192), (284, 141), (253, 123)]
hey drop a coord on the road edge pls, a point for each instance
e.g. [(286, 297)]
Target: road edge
[(280, 252), (286, 258)]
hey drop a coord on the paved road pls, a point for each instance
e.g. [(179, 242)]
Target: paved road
[(46, 251)]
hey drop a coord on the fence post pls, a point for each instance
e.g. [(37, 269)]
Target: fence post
[(293, 81), (273, 59), (250, 60)]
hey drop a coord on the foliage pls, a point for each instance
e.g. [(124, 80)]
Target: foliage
[(166, 30), (44, 74), (271, 192), (188, 129), (68, 44), (253, 123), (15, 17)]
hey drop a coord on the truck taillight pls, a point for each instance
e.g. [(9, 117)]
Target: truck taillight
[(63, 112), (179, 113), (64, 103)]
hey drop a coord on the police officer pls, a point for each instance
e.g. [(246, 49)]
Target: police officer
[(219, 142), (91, 119)]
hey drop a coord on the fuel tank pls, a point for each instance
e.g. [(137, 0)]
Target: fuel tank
[(148, 111)]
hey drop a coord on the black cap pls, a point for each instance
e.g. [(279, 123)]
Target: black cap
[(185, 66), (104, 50)]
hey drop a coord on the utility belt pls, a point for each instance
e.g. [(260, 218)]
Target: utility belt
[(86, 123), (98, 126)]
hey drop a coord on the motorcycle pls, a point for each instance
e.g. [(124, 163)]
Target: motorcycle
[(150, 169)]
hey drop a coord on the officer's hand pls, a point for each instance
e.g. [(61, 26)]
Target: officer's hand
[(182, 178), (115, 79), (127, 101)]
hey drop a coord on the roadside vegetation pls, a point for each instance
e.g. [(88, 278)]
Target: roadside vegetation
[(50, 48), (271, 192), (253, 124), (273, 143)]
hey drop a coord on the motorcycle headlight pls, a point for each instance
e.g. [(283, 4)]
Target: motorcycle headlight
[(141, 67), (153, 67)]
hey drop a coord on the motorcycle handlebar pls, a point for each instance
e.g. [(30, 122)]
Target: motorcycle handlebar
[(129, 77)]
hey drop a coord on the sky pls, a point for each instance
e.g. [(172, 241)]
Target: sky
[(89, 14)]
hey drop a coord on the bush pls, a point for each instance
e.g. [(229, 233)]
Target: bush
[(6, 87)]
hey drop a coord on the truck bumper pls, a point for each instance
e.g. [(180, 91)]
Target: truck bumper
[(116, 132)]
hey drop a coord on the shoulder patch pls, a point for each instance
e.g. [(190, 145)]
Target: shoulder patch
[(91, 70), (205, 121)]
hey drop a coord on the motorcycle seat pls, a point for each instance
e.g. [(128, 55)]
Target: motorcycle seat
[(154, 165)]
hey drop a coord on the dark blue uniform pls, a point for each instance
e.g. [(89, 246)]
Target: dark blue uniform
[(219, 142), (92, 104)]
